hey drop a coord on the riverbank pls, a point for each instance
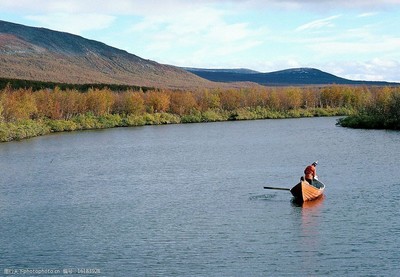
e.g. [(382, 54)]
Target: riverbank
[(26, 113), (383, 113), (370, 121), (28, 128)]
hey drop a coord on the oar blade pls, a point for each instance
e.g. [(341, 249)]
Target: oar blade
[(276, 188)]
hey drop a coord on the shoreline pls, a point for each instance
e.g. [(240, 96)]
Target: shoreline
[(30, 128)]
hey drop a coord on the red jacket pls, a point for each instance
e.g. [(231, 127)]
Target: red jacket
[(310, 172)]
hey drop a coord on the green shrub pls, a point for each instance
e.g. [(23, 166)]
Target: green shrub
[(294, 113), (193, 117), (270, 114), (86, 121), (23, 129), (321, 112), (134, 120), (161, 118), (245, 114), (167, 118), (212, 115), (110, 121), (62, 125), (361, 121)]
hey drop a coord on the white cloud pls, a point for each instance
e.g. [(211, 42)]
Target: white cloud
[(371, 70), (203, 31), (115, 7), (368, 14), (165, 6), (373, 45), (330, 4), (318, 24)]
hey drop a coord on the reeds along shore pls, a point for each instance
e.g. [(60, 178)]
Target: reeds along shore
[(26, 113)]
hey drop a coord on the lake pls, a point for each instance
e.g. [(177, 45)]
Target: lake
[(188, 200)]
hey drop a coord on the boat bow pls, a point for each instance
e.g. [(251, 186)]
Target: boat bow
[(303, 191)]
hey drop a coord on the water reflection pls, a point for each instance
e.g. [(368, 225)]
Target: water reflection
[(310, 216), (308, 204), (310, 237)]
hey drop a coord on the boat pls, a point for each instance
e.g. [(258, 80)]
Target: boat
[(303, 191)]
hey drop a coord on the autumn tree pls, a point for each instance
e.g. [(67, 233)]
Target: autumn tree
[(394, 110), (231, 99), (291, 98), (255, 97), (274, 101), (131, 102), (45, 105), (326, 98), (182, 103), (99, 102), (18, 105), (208, 100), (382, 98), (157, 101), (310, 98), (73, 103)]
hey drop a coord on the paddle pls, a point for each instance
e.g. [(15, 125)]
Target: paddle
[(276, 188)]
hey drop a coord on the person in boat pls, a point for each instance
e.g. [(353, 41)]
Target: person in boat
[(310, 172)]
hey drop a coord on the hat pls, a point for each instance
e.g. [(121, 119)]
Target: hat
[(315, 163)]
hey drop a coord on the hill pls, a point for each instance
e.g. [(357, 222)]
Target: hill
[(292, 77), (45, 55), (40, 54), (227, 70)]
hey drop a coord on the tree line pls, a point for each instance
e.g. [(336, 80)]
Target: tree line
[(57, 103), (25, 111), (39, 85), (381, 111)]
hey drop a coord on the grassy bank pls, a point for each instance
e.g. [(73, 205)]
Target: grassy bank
[(29, 128)]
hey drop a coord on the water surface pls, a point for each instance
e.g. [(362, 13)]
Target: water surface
[(188, 200)]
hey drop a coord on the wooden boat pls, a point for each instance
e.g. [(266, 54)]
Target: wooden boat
[(303, 191)]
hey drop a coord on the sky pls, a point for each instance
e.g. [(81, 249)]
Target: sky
[(355, 39)]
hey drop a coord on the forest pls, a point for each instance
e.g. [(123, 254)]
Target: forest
[(28, 112)]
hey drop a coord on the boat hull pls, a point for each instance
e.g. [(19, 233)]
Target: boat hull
[(303, 191)]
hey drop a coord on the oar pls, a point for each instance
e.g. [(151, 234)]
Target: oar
[(276, 188)]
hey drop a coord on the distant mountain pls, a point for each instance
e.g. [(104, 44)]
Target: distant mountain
[(293, 77), (45, 55), (41, 54), (227, 70)]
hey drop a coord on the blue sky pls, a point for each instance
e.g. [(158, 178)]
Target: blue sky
[(356, 39)]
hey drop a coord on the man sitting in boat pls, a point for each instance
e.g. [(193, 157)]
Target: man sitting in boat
[(311, 172)]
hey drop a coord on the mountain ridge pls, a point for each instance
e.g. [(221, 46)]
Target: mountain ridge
[(41, 54), (45, 55), (292, 76)]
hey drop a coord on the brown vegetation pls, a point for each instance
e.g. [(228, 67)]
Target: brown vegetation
[(43, 111), (18, 104)]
